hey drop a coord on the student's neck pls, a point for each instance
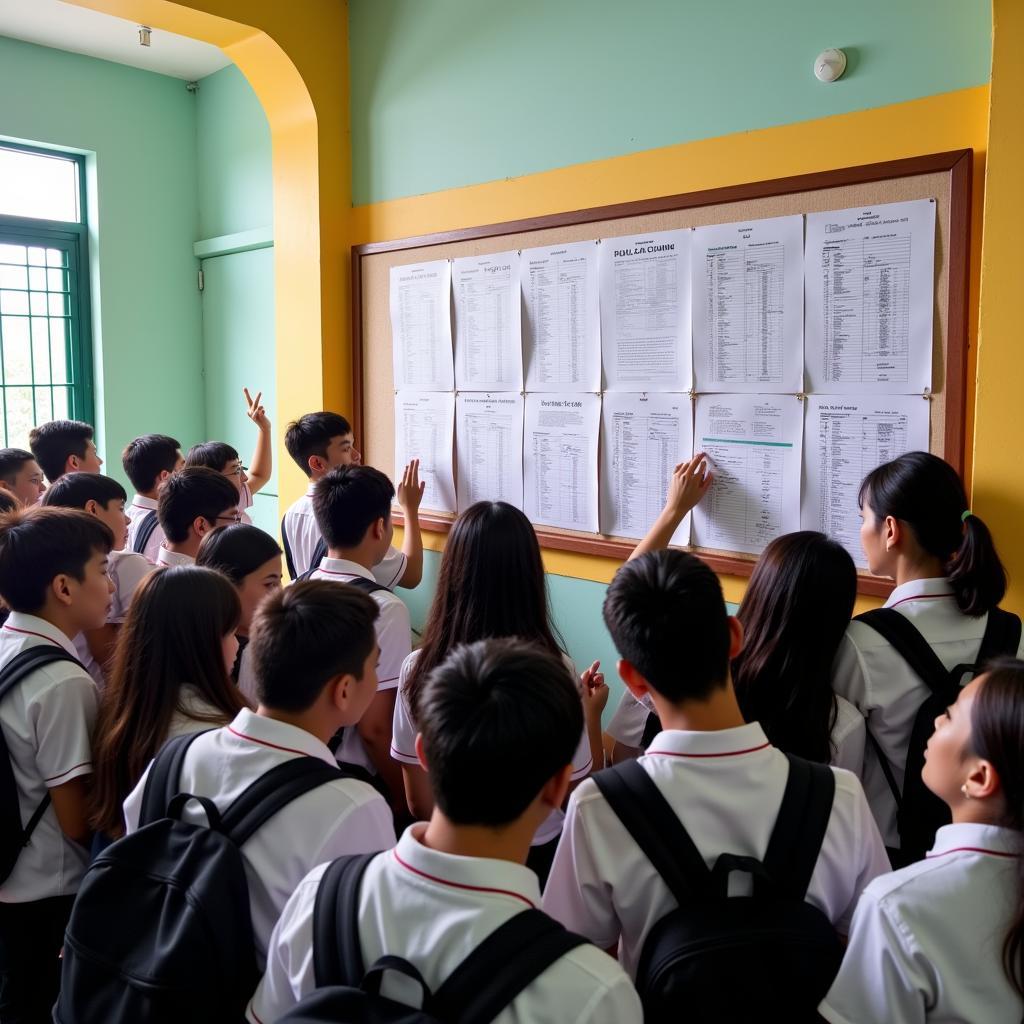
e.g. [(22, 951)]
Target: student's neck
[(918, 567), (718, 711), (153, 495), (309, 721), (188, 547), (60, 616), (511, 842), (978, 812), (361, 555)]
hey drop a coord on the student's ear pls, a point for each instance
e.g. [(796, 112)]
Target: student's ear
[(380, 528), (162, 476), (201, 527), (71, 464), (735, 636), (5, 486), (420, 752), (982, 781), (316, 464), (556, 788), (630, 675), (340, 690), (892, 530), (92, 506), (61, 590)]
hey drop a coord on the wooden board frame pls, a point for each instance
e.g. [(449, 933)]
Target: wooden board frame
[(956, 164)]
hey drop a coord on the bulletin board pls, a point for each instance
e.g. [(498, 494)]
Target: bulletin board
[(944, 177)]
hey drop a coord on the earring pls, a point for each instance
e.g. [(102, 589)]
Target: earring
[(963, 789)]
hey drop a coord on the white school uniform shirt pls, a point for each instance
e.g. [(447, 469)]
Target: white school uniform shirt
[(927, 941), (394, 636), (47, 721), (434, 909), (245, 502), (726, 787), (126, 570), (247, 676), (139, 508), (341, 817), (848, 734), (166, 559), (403, 749), (872, 676), (303, 534)]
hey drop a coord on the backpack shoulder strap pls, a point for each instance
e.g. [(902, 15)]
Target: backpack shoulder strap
[(800, 826), (652, 726), (162, 782), (910, 645), (319, 554), (287, 548), (505, 963), (649, 819), (146, 528), (365, 585), (1002, 636), (22, 665), (337, 956)]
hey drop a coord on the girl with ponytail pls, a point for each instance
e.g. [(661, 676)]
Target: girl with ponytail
[(943, 939), (919, 531)]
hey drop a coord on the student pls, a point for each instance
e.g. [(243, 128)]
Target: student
[(314, 656), (251, 559), (453, 881), (918, 531), (353, 510), (103, 498), (224, 459), (721, 776), (943, 939), (491, 583), (193, 501), (64, 446), (148, 461), (320, 442), (169, 677), (21, 476), (53, 564)]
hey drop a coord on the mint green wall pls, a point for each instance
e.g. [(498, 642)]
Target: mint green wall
[(139, 129), (454, 92)]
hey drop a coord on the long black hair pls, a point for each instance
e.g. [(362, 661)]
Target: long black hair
[(237, 550), (925, 493), (794, 614)]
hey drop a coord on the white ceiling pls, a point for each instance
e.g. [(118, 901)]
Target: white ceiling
[(68, 27)]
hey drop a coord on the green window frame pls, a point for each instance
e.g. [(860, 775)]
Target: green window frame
[(46, 315)]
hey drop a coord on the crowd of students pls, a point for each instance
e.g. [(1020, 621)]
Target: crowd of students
[(726, 848)]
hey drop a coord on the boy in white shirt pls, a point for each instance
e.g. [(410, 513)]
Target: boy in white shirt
[(64, 446), (104, 498), (320, 442), (21, 476), (53, 575), (453, 881), (720, 775), (314, 656), (148, 461), (193, 501)]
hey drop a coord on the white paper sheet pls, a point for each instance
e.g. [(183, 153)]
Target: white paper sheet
[(421, 326), (560, 460), (870, 285), (847, 438), (561, 319), (754, 444), (645, 311), (644, 437), (748, 306), (488, 335), (489, 428), (425, 430)]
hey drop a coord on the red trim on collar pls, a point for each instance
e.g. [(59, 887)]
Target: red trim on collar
[(460, 885), (265, 743), (919, 597), (30, 632), (724, 753), (974, 849)]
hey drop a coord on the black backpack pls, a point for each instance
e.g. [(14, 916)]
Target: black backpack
[(360, 582), (919, 812), (146, 527), (504, 964), (161, 930), (731, 959), (13, 836)]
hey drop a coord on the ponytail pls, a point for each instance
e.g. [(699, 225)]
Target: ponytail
[(997, 733), (925, 493)]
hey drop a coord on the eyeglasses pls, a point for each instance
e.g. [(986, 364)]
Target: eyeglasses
[(236, 518), (237, 471)]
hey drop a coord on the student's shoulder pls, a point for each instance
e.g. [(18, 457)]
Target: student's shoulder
[(922, 881), (351, 795), (861, 637), (589, 978), (68, 677), (129, 566)]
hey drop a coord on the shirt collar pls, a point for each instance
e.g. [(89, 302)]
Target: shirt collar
[(22, 624), (311, 488), (169, 558), (141, 501), (975, 838), (744, 739), (936, 587), (248, 728), (485, 875), (343, 567)]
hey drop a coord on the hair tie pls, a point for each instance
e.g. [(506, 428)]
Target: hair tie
[(964, 515)]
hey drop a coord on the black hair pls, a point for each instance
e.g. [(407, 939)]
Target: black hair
[(311, 434), (11, 461), (307, 634), (794, 614), (926, 494), (38, 544), (8, 503), (190, 494), (54, 442), (146, 457), (489, 705), (664, 603), (237, 550), (75, 490), (213, 454), (348, 500)]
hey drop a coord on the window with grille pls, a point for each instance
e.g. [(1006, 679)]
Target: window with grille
[(45, 345)]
